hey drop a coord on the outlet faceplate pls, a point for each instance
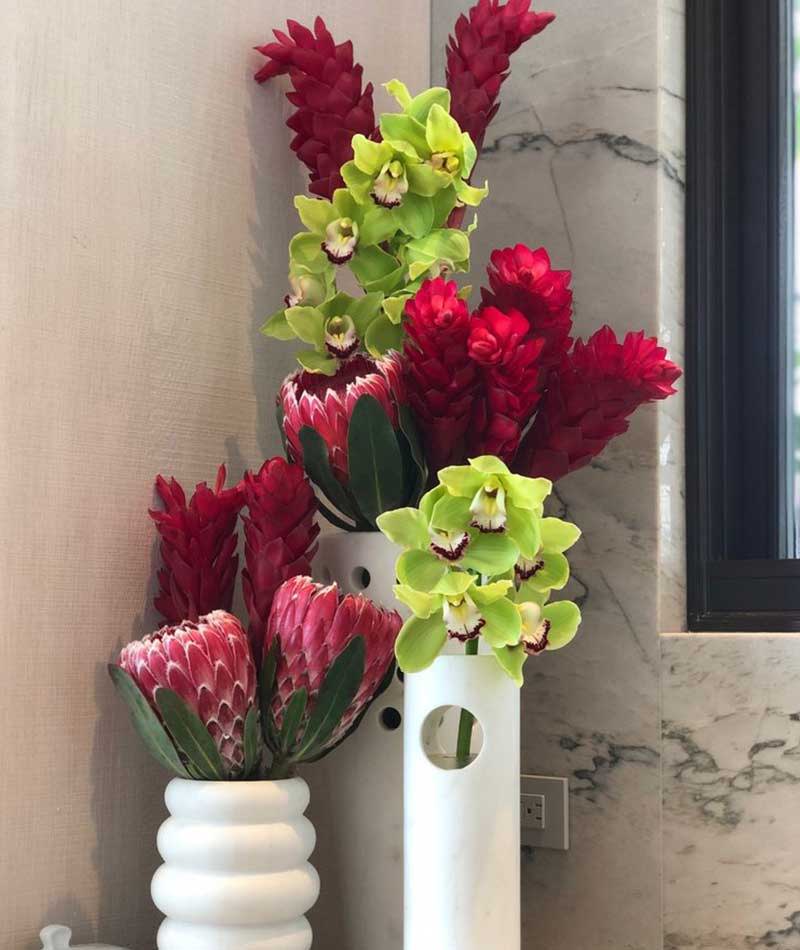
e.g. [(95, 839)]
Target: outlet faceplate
[(544, 804)]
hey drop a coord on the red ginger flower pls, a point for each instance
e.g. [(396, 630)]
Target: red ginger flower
[(209, 665), (326, 403), (442, 379), (314, 624), (478, 58), (331, 106), (280, 532), (500, 343), (589, 399), (523, 279), (198, 548)]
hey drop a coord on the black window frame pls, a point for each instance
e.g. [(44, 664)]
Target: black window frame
[(739, 284)]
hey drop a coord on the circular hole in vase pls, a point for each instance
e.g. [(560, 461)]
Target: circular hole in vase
[(391, 719), (440, 738), (361, 578)]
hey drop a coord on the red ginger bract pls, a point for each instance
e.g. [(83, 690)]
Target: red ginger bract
[(442, 378), (198, 548), (590, 397), (209, 665), (478, 58), (314, 624), (331, 105), (523, 279), (326, 403), (280, 533)]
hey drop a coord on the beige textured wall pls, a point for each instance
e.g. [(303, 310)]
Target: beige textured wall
[(145, 190)]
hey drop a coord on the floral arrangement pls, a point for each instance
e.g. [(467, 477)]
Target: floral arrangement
[(439, 422)]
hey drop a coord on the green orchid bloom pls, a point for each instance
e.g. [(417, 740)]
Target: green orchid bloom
[(442, 156), (542, 627), (548, 569), (336, 329), (337, 230), (497, 502), (456, 607), (437, 537)]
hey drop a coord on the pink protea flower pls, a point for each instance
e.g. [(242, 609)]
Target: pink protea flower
[(523, 279), (590, 398), (280, 533), (314, 624), (326, 403), (209, 665), (478, 58), (331, 106), (198, 548)]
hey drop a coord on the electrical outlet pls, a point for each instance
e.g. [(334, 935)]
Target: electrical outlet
[(544, 808)]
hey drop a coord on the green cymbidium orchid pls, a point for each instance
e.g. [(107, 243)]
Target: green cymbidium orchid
[(336, 329), (495, 501), (436, 542), (548, 569), (456, 607)]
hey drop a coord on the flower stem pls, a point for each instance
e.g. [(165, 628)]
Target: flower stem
[(466, 722)]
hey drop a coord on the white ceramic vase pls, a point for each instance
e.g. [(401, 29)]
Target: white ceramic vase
[(358, 791), (462, 826), (236, 874)]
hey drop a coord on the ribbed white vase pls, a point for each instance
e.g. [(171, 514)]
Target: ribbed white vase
[(462, 826), (236, 874), (359, 801)]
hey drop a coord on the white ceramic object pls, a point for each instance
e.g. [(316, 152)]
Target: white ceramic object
[(57, 937), (236, 874), (358, 790), (462, 827)]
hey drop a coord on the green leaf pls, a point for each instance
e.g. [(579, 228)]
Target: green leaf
[(558, 535), (189, 734), (527, 492), (419, 643), (406, 527), (251, 756), (266, 687), (512, 660), (315, 213), (146, 722), (399, 129), (337, 692), (522, 526), (382, 336), (292, 717), (565, 618), (277, 327), (490, 554), (461, 480), (308, 324), (414, 216), (418, 602), (421, 570), (442, 132), (316, 362), (503, 623), (374, 460), (318, 468), (408, 427), (451, 513)]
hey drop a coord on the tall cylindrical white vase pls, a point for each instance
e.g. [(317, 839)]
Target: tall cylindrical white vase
[(358, 791), (236, 874), (462, 826)]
